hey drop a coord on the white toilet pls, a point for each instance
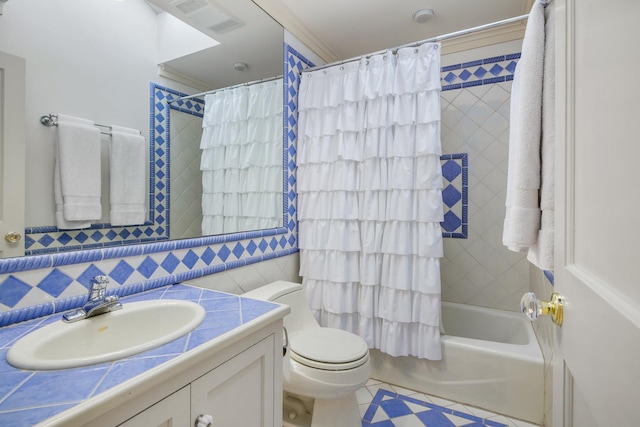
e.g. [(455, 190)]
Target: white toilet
[(327, 364)]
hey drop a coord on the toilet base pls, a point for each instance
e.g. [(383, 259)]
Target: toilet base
[(296, 410), (342, 412)]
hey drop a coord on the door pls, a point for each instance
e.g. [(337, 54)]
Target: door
[(12, 155), (597, 349)]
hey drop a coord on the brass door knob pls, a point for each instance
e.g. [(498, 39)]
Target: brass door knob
[(533, 308), (12, 237)]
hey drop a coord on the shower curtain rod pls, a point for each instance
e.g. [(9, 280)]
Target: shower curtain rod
[(268, 79), (430, 40)]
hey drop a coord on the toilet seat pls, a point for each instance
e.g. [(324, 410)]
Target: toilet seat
[(328, 349)]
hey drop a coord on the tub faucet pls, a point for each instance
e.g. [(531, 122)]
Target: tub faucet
[(97, 303)]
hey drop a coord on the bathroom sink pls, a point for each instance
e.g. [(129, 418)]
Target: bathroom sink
[(137, 327)]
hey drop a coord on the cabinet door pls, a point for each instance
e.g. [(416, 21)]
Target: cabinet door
[(172, 411), (240, 392)]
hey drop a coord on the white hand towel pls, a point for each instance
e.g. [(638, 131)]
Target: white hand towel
[(522, 219), (77, 173), (128, 175)]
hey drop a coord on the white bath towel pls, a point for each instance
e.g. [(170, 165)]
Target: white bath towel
[(128, 177), (523, 215), (541, 253), (77, 173)]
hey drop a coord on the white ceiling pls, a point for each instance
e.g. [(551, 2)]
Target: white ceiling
[(256, 40), (335, 29), (352, 28)]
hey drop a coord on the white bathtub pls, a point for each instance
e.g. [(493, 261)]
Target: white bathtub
[(491, 360)]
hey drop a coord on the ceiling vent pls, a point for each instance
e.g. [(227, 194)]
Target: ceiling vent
[(189, 6), (224, 26)]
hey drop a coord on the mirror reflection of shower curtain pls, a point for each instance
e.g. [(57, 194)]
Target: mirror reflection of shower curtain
[(241, 159), (370, 198)]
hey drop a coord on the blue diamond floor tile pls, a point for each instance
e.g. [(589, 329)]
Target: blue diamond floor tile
[(388, 406)]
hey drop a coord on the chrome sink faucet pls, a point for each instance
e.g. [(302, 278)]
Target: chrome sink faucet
[(97, 303)]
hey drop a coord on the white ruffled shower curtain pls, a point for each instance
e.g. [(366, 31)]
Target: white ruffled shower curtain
[(370, 198), (241, 159)]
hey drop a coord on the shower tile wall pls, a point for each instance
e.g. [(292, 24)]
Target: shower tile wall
[(479, 270)]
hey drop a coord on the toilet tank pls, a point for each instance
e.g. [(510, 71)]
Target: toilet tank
[(291, 294)]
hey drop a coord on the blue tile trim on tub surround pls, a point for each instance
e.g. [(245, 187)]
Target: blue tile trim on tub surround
[(28, 397), (31, 286), (455, 195), (492, 70)]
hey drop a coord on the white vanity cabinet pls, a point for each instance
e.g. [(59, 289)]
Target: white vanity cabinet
[(238, 393)]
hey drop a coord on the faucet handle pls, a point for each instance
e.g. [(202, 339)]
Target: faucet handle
[(98, 288)]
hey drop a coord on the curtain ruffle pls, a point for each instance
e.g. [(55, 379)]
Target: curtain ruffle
[(243, 180), (394, 173), (419, 205), (241, 103), (393, 338)]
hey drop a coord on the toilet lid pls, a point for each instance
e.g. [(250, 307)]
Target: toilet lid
[(325, 348)]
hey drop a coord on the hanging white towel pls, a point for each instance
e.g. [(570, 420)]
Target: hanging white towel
[(523, 215), (128, 175), (77, 173), (541, 253)]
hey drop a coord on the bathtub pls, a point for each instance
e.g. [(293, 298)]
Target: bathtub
[(490, 359)]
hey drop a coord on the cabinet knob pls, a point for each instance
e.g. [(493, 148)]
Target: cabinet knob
[(533, 308), (12, 237), (204, 421)]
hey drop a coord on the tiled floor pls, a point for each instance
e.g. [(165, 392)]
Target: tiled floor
[(385, 405)]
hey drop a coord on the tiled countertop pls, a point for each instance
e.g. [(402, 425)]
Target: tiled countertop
[(29, 397)]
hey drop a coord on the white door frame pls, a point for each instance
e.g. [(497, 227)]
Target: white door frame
[(12, 155)]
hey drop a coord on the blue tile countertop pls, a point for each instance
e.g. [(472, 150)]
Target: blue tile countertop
[(29, 397)]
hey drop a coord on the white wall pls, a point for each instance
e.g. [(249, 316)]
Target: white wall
[(245, 279), (91, 59)]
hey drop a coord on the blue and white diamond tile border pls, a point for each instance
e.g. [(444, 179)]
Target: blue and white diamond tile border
[(485, 71), (391, 409)]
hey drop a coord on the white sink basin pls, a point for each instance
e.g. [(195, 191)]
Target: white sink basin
[(137, 327)]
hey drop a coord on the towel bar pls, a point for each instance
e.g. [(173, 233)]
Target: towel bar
[(52, 120)]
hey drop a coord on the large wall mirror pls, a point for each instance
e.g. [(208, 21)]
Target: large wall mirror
[(128, 63)]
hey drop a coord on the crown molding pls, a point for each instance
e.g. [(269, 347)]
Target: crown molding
[(170, 73), (505, 33)]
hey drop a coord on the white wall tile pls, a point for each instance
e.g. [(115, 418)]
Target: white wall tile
[(479, 270)]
